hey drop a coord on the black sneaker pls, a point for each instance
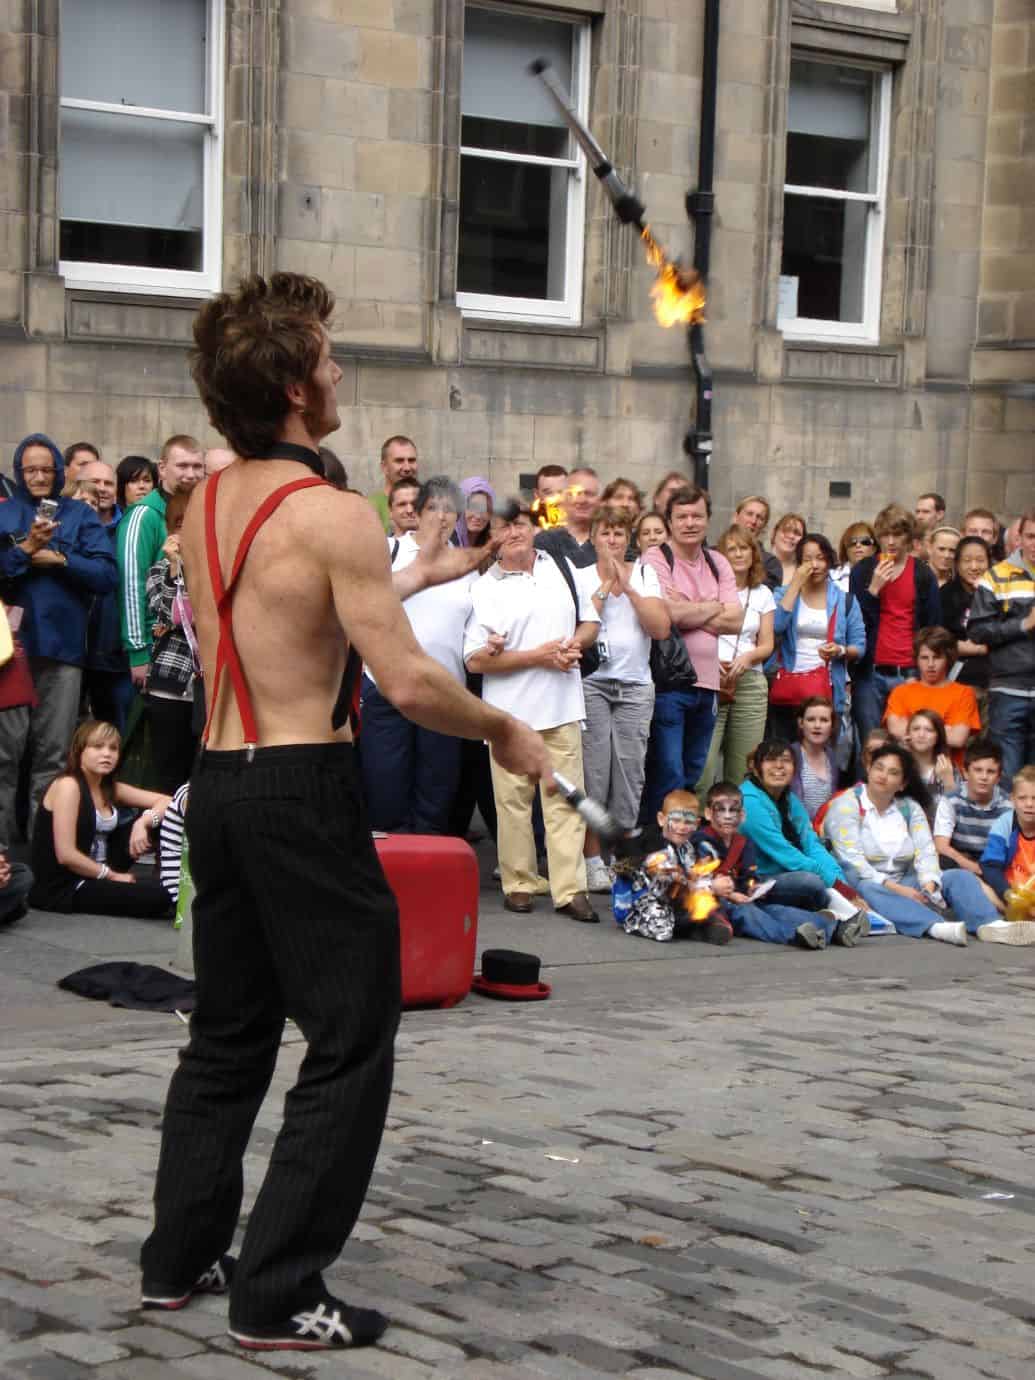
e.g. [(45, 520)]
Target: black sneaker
[(810, 936), (215, 1280), (717, 931), (330, 1325), (847, 933)]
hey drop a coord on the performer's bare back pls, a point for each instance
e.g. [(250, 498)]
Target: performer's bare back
[(319, 546)]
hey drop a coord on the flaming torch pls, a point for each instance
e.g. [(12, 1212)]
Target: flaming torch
[(678, 294), (547, 512), (699, 898)]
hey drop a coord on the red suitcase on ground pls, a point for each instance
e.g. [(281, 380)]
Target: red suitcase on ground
[(435, 881)]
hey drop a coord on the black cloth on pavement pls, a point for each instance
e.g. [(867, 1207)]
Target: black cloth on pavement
[(135, 986)]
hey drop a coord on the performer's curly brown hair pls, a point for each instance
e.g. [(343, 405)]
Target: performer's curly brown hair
[(251, 344)]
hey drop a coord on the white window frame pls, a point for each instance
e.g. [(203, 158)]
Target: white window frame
[(866, 331), (566, 311), (167, 282)]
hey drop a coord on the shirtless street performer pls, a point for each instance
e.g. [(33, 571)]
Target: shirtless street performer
[(292, 914)]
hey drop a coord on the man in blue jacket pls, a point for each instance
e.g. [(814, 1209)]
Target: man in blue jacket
[(51, 568)]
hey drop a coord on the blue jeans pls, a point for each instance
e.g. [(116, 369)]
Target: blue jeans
[(962, 891), (410, 774), (870, 691), (793, 900), (680, 737), (1011, 722), (775, 924)]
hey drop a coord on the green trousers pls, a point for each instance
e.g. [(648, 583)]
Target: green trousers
[(738, 731)]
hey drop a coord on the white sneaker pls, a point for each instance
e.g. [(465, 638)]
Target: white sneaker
[(1008, 932), (949, 932), (598, 877)]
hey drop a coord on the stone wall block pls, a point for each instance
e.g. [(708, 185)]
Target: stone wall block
[(353, 218), (334, 264), (394, 167), (320, 49), (385, 385), (1002, 452), (351, 108), (1017, 496), (325, 160), (21, 413), (389, 275), (22, 366), (390, 59)]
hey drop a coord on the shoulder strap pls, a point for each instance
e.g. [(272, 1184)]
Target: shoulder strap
[(710, 563), (395, 551), (562, 565), (222, 594), (666, 551)]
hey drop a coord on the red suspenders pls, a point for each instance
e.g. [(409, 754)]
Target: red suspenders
[(226, 649)]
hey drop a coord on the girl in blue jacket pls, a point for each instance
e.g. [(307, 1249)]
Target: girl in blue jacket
[(803, 872)]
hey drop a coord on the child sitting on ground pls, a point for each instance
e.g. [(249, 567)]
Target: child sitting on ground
[(1008, 864), (736, 880), (964, 817), (655, 883)]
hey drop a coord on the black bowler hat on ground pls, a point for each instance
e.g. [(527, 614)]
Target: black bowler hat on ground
[(510, 976)]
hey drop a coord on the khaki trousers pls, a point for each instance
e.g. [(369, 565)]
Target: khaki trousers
[(565, 831)]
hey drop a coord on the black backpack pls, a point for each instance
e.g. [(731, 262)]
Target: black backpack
[(670, 664), (590, 655)]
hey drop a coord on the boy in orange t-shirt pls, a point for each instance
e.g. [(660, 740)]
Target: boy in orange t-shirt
[(957, 704), (1008, 861)]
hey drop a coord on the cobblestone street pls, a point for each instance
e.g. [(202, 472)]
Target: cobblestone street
[(725, 1164)]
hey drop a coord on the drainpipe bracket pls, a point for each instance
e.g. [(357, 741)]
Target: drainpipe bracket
[(700, 203)]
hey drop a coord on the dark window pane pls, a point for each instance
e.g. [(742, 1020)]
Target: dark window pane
[(814, 161), (86, 242), (830, 126), (512, 229), (824, 249), (505, 136)]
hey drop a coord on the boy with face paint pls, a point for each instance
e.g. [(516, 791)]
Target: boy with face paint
[(737, 877), (662, 880)]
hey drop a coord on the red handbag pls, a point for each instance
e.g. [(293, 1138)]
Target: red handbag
[(788, 689)]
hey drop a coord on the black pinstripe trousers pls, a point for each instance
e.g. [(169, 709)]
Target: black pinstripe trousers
[(292, 917)]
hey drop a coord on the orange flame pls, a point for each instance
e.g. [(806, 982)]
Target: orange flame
[(547, 512), (699, 899), (678, 294)]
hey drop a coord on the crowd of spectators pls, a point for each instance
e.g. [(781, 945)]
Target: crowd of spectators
[(842, 723)]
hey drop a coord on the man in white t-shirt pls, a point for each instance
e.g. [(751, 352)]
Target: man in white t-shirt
[(410, 774), (525, 638)]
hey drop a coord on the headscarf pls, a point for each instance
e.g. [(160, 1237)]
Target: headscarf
[(475, 485)]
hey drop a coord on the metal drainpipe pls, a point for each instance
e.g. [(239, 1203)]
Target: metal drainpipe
[(700, 204)]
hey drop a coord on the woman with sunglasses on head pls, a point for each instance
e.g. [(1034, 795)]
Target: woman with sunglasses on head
[(474, 523), (882, 842), (858, 540), (787, 533)]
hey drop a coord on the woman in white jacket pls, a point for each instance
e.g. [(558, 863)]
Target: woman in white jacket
[(881, 838)]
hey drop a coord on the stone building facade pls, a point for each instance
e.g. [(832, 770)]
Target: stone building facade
[(330, 143)]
